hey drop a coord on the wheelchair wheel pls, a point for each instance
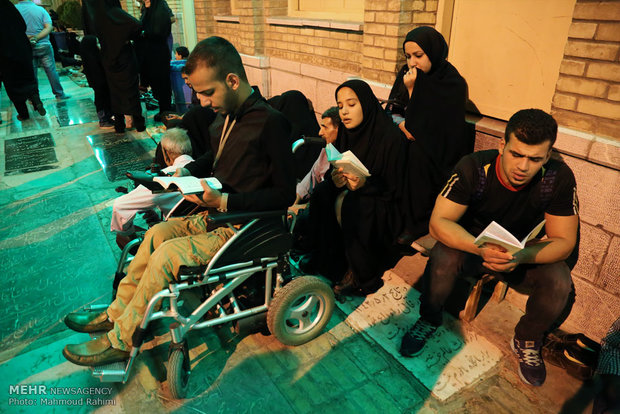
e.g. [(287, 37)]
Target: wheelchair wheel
[(178, 375), (300, 310)]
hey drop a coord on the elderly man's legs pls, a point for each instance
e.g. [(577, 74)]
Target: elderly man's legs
[(129, 307), (167, 247)]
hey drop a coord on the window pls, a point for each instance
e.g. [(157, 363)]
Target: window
[(352, 10)]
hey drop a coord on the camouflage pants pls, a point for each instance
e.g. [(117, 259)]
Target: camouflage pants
[(166, 247)]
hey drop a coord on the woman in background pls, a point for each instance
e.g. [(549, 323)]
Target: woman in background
[(115, 28), (298, 110), (154, 52), (431, 94)]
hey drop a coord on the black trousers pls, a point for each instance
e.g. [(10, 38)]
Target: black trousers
[(549, 286)]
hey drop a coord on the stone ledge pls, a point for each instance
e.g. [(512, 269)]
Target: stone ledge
[(255, 61), (584, 145), (226, 19), (320, 23)]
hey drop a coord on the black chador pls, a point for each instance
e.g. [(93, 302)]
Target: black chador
[(370, 215), (16, 69), (435, 116), (115, 28), (154, 53)]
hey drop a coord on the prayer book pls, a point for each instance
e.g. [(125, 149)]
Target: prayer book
[(347, 161), (496, 234), (187, 184)]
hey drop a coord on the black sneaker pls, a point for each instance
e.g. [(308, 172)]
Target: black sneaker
[(415, 339), (531, 366)]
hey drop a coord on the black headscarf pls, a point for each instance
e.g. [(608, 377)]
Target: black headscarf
[(294, 106), (156, 21), (377, 142)]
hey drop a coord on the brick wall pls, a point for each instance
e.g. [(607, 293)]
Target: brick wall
[(587, 94), (386, 22), (372, 53)]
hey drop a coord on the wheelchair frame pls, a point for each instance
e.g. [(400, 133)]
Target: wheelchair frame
[(310, 312)]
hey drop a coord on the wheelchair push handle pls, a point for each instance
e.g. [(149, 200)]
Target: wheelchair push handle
[(308, 141)]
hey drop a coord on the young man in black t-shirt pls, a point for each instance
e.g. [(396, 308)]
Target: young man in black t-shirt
[(517, 187)]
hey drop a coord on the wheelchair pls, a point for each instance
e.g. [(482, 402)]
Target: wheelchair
[(296, 308)]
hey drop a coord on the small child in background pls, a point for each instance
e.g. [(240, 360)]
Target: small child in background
[(181, 53)]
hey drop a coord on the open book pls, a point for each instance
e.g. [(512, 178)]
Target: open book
[(347, 161), (496, 234), (187, 184)]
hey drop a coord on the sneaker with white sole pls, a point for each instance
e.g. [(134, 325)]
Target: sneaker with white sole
[(531, 365), (416, 337)]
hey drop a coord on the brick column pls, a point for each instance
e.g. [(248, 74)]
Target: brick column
[(587, 94), (386, 22)]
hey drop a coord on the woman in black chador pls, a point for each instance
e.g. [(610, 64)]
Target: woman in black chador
[(430, 94), (296, 108), (16, 70), (114, 29), (370, 215), (154, 53), (95, 75)]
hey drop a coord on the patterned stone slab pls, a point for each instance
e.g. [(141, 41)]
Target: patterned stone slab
[(81, 111), (35, 123), (452, 358), (29, 154), (118, 153)]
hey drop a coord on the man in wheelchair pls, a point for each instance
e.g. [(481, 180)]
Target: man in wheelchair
[(250, 155)]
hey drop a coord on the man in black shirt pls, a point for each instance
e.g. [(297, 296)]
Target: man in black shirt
[(249, 155), (517, 187)]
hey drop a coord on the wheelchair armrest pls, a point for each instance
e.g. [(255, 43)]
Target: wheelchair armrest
[(308, 141), (143, 178), (243, 216)]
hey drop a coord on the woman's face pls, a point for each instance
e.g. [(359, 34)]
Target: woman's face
[(416, 58), (350, 108), (147, 3)]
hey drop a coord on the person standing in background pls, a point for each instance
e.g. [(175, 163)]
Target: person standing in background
[(154, 52), (115, 28), (16, 70), (38, 28)]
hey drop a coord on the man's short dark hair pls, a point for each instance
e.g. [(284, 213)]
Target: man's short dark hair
[(216, 52), (532, 127), (182, 51), (333, 114)]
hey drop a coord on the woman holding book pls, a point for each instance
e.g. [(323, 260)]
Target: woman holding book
[(430, 94), (370, 216)]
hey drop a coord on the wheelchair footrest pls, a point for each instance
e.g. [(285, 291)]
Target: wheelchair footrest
[(114, 372)]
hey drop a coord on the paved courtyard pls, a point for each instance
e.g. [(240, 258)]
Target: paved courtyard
[(59, 174)]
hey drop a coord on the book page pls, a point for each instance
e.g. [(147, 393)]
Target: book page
[(351, 168), (510, 248), (187, 185)]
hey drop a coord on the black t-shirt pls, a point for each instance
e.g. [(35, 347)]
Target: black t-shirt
[(474, 182)]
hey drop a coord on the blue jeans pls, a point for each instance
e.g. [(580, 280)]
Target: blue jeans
[(43, 54)]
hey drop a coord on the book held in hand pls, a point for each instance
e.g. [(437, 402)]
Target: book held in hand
[(187, 184), (496, 234), (349, 163)]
